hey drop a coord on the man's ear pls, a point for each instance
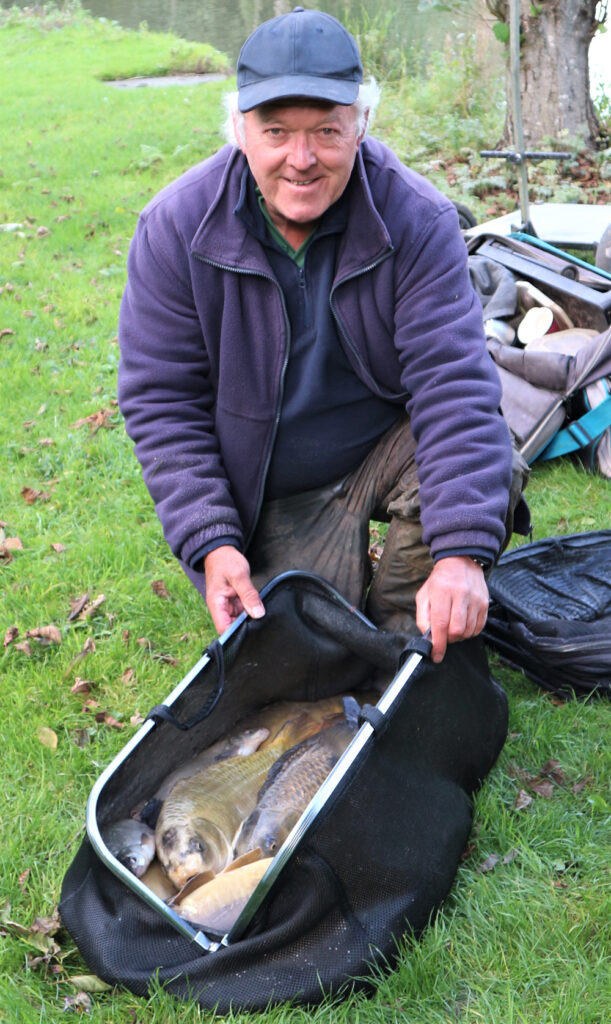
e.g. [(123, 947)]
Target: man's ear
[(238, 130), (364, 130)]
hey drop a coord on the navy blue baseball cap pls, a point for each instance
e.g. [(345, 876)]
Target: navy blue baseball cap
[(305, 53)]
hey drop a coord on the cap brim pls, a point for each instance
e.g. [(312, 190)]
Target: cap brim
[(285, 87)]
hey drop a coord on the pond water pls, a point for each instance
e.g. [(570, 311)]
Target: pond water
[(226, 23)]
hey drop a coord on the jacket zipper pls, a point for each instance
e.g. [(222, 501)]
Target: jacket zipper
[(268, 454), (344, 333)]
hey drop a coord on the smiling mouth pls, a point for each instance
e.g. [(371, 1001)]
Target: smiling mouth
[(299, 184)]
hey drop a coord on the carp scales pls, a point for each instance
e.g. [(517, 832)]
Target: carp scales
[(254, 731), (131, 842), (216, 905), (292, 782), (275, 717), (199, 819), (239, 745)]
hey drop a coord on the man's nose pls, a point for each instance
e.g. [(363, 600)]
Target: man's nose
[(301, 153)]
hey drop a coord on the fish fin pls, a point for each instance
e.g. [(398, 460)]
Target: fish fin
[(352, 710), (149, 814), (244, 858), (194, 883)]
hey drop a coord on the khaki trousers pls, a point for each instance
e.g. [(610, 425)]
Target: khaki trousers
[(327, 531)]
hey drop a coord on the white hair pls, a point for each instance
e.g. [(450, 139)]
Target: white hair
[(364, 108)]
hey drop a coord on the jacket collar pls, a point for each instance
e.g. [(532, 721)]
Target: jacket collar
[(223, 238)]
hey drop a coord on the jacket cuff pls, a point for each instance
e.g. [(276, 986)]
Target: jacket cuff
[(201, 553)]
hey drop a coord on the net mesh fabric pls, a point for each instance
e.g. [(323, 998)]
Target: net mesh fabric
[(379, 859)]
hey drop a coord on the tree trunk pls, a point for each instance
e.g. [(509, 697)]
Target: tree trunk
[(554, 74)]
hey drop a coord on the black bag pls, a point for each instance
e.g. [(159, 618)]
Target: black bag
[(551, 612), (376, 862)]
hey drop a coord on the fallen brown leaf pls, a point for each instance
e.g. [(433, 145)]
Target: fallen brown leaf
[(97, 420), (128, 676), (489, 864), (166, 659), (81, 737), (81, 1001), (45, 944), (59, 548), (581, 785), (76, 606), (47, 925), (136, 719), (91, 704), (6, 332), (81, 686), (42, 231), (24, 647), (23, 877), (30, 495), (92, 607), (11, 634), (107, 719), (552, 770), (542, 787), (82, 608), (45, 635), (11, 544), (158, 587), (522, 800), (7, 546)]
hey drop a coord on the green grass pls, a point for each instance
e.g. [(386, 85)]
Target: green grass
[(524, 942)]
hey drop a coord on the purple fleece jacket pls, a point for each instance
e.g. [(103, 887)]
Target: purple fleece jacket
[(204, 343)]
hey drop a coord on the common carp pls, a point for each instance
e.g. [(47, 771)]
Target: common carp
[(216, 905), (199, 820), (291, 783), (240, 744), (274, 717), (131, 842)]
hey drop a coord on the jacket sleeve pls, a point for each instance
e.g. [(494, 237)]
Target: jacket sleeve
[(166, 395), (463, 451)]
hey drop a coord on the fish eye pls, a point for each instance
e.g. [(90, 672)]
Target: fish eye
[(196, 845), (271, 844)]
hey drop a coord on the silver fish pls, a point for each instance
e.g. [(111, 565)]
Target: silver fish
[(131, 842)]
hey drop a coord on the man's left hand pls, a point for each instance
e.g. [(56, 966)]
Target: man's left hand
[(453, 603)]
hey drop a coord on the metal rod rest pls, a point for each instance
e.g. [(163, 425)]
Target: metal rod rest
[(517, 158)]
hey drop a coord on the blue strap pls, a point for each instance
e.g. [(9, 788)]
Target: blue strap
[(580, 432), (521, 236)]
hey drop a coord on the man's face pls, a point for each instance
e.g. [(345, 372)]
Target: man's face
[(301, 156)]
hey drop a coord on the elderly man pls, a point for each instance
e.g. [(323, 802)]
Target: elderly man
[(302, 352)]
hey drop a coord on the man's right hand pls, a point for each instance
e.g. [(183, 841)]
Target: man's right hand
[(229, 588)]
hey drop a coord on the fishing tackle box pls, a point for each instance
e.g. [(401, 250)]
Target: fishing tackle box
[(583, 291), (373, 855)]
